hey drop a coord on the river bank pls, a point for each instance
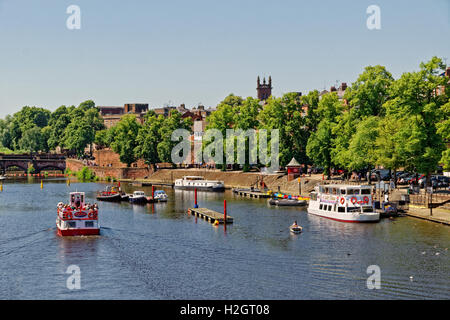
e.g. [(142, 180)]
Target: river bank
[(239, 179)]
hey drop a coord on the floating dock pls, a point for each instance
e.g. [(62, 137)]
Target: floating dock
[(251, 194), (210, 215)]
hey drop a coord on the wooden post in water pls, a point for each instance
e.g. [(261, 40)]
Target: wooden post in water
[(195, 198), (153, 192)]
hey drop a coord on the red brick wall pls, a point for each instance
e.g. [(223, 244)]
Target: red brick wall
[(105, 157), (103, 172)]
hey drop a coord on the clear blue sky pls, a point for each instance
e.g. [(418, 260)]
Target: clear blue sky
[(200, 51)]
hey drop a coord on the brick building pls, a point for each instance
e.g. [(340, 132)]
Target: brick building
[(164, 111), (111, 114)]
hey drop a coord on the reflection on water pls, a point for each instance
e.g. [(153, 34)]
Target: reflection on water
[(158, 251)]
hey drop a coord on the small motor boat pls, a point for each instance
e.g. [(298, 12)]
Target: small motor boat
[(138, 197), (295, 229), (287, 202), (124, 196), (109, 194), (160, 196)]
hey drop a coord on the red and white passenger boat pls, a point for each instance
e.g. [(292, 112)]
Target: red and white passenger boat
[(77, 218), (347, 203)]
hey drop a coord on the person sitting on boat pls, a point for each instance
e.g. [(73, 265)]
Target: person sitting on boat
[(295, 225)]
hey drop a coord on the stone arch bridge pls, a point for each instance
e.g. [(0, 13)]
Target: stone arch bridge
[(40, 162)]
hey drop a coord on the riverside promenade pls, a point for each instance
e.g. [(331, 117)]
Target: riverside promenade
[(438, 215)]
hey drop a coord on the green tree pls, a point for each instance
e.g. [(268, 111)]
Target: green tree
[(102, 138), (85, 121), (370, 91), (311, 100), (246, 118), (320, 144), (222, 119), (443, 129), (31, 140), (26, 118), (148, 138), (124, 143), (414, 100), (173, 122), (362, 150), (59, 120), (285, 114)]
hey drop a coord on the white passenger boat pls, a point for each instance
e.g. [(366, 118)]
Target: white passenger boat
[(345, 203), (77, 218), (199, 183)]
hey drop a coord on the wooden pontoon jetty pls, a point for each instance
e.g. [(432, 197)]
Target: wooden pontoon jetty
[(210, 215), (251, 194)]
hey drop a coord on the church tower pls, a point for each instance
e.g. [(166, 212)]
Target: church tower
[(264, 90)]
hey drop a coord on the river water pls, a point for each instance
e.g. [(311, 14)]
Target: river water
[(159, 252)]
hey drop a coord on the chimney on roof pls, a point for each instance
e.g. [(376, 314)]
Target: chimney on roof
[(343, 86), (333, 88)]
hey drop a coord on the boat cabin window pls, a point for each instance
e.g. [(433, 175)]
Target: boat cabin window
[(77, 200), (353, 209), (89, 224), (334, 191), (367, 209), (341, 209), (321, 207), (71, 224), (313, 196), (353, 191), (343, 191), (329, 208), (365, 191)]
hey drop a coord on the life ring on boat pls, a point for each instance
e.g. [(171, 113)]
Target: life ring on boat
[(366, 199), (91, 214), (353, 200), (342, 200)]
